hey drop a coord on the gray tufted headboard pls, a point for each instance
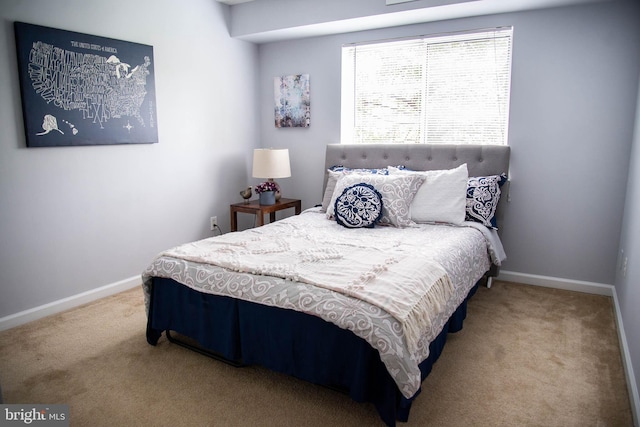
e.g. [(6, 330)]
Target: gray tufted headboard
[(481, 160)]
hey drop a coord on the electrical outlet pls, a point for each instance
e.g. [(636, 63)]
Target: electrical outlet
[(213, 222), (624, 266)]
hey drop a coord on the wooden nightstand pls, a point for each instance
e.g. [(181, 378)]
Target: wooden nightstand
[(255, 208)]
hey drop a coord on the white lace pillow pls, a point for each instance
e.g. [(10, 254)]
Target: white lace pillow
[(397, 193), (442, 197)]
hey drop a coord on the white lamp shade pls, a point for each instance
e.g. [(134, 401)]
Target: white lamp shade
[(271, 163)]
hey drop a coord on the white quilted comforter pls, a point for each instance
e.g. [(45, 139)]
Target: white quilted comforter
[(273, 265)]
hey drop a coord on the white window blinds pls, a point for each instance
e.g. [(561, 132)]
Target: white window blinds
[(442, 89)]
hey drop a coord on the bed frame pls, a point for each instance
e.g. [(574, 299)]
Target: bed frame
[(481, 160), (242, 332)]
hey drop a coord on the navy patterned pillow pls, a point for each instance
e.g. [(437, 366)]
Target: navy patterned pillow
[(483, 195), (359, 206)]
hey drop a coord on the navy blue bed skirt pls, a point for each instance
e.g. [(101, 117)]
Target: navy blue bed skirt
[(287, 341)]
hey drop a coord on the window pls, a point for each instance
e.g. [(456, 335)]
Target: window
[(441, 89)]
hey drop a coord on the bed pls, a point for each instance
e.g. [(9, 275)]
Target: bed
[(367, 326)]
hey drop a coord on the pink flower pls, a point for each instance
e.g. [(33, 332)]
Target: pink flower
[(266, 186)]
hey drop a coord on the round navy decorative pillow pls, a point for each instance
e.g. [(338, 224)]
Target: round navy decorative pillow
[(358, 206)]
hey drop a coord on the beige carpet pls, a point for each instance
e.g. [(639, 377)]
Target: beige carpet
[(527, 356)]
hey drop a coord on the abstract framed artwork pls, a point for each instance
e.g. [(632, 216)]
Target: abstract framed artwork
[(80, 89), (292, 102)]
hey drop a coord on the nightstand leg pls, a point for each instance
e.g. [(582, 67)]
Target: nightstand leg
[(234, 220)]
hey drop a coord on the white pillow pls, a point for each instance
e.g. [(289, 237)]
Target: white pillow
[(442, 197), (331, 186), (397, 192)]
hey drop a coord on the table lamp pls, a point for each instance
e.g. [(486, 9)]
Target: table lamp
[(271, 163)]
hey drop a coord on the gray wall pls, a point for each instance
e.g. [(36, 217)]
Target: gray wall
[(77, 218), (628, 286), (573, 99)]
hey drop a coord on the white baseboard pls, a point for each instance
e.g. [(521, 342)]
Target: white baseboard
[(634, 397), (591, 288), (36, 313), (557, 283)]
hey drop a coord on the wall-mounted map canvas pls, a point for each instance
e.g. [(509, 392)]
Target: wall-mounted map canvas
[(79, 89), (292, 104)]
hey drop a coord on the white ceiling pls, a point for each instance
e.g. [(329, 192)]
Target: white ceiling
[(462, 9), (232, 2)]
